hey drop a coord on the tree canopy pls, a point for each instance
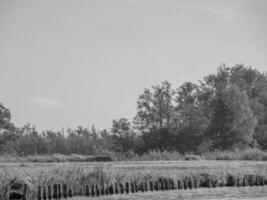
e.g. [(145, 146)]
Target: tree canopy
[(224, 110)]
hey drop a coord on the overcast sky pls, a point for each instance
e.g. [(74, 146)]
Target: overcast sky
[(66, 63)]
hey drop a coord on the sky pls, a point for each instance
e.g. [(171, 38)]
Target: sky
[(69, 63)]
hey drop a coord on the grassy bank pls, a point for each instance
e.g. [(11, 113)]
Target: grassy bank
[(235, 154), (77, 174)]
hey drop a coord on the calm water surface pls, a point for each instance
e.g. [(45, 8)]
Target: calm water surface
[(244, 193)]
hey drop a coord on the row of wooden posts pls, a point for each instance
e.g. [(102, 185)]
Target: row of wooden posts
[(61, 191)]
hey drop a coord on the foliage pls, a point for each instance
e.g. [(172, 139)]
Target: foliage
[(223, 111)]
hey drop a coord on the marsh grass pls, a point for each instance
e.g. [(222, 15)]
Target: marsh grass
[(80, 173), (234, 154)]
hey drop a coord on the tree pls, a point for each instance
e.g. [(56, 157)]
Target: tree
[(123, 135), (5, 119), (191, 120), (155, 115)]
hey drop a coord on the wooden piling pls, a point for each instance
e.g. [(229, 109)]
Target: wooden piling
[(127, 188), (151, 188), (49, 190), (132, 187), (116, 188), (55, 191), (97, 191), (121, 188), (111, 189), (93, 190), (156, 186), (65, 191), (44, 193), (59, 191), (70, 192), (39, 193)]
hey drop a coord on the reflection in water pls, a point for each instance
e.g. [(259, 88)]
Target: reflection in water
[(235, 193)]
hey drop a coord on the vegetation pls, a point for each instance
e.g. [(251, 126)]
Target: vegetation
[(222, 112), (35, 174)]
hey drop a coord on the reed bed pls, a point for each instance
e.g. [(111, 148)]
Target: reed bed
[(81, 173)]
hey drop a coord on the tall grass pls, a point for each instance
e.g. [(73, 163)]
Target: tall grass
[(234, 154), (237, 154), (77, 174)]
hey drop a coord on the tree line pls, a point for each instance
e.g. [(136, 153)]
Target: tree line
[(223, 111)]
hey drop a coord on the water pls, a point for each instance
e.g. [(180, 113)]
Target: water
[(223, 193)]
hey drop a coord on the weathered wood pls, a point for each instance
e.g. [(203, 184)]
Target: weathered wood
[(102, 190), (132, 187), (156, 186), (171, 185), (65, 191), (39, 193), (185, 184), (44, 193), (70, 192), (161, 185), (179, 184), (196, 183), (55, 191), (59, 191), (142, 187), (97, 190), (111, 189), (151, 188), (166, 182), (25, 190), (107, 190), (121, 188), (116, 188), (49, 190), (93, 190), (127, 189), (87, 191)]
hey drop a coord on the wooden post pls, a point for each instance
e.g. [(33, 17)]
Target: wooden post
[(127, 187), (80, 190), (59, 191), (156, 187), (39, 194), (70, 192), (142, 187), (97, 190), (179, 185), (132, 188), (102, 190), (135, 187), (44, 192), (111, 189), (93, 190), (190, 184), (87, 192), (171, 185), (196, 183), (25, 190), (121, 188), (185, 184), (146, 188), (65, 189), (55, 191), (262, 181), (151, 186), (107, 190), (244, 181), (166, 184), (116, 188), (49, 192)]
